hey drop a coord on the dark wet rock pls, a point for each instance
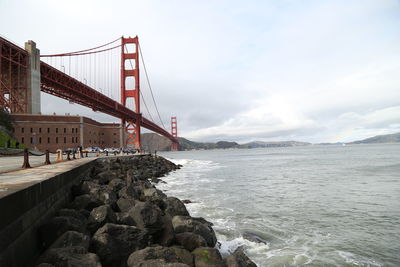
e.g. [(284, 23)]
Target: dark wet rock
[(190, 241), (186, 201), (125, 204), (166, 236), (70, 248), (130, 192), (72, 238), (100, 216), (45, 265), (72, 213), (105, 195), (239, 259), (155, 180), (207, 257), (198, 226), (147, 216), (116, 184), (89, 187), (70, 256), (124, 218), (175, 207), (105, 177), (160, 255), (113, 243), (86, 202), (254, 237), (51, 230), (84, 213)]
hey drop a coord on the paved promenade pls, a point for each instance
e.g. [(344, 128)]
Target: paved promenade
[(17, 180)]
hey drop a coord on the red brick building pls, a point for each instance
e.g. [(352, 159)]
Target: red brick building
[(60, 132)]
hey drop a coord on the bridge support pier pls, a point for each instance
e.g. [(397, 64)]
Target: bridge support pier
[(33, 77)]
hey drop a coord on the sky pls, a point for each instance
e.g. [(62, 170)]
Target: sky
[(315, 71)]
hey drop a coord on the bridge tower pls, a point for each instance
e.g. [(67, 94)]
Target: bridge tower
[(131, 128), (174, 132)]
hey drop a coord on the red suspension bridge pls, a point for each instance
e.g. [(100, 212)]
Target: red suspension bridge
[(105, 78)]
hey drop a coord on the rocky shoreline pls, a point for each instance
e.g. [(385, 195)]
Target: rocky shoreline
[(119, 218)]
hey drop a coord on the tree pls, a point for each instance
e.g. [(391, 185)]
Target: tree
[(6, 121)]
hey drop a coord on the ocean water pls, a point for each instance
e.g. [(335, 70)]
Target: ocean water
[(297, 206)]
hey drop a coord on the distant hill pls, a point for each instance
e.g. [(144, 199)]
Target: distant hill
[(387, 138), (152, 142), (258, 144)]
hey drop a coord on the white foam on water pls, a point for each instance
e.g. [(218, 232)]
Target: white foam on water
[(357, 260)]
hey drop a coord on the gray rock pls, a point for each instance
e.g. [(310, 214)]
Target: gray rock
[(175, 207), (147, 216), (206, 257), (105, 177), (153, 255), (113, 243), (239, 259), (125, 204), (130, 192), (190, 241), (153, 192), (198, 226), (100, 216)]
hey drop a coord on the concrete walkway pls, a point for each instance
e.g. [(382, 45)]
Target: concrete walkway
[(16, 180)]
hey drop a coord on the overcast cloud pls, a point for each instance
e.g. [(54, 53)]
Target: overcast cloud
[(318, 71)]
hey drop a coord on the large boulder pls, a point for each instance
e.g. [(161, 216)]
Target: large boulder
[(166, 236), (70, 249), (51, 230), (198, 226), (125, 204), (239, 259), (86, 202), (190, 241), (100, 216), (207, 257), (113, 243), (158, 255), (175, 207), (147, 216), (153, 192), (105, 177), (72, 213), (130, 192), (70, 257)]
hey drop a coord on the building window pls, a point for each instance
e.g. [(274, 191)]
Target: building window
[(31, 130), (95, 141), (76, 139), (115, 142), (48, 130), (114, 133), (22, 131), (76, 130), (40, 140), (65, 140), (56, 140), (31, 140), (90, 141), (72, 130), (72, 140), (40, 130), (22, 139), (56, 130), (65, 130), (48, 140)]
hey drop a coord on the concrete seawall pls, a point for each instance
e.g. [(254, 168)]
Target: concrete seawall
[(24, 206)]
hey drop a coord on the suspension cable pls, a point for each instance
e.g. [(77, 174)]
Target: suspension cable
[(148, 82), (85, 50)]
